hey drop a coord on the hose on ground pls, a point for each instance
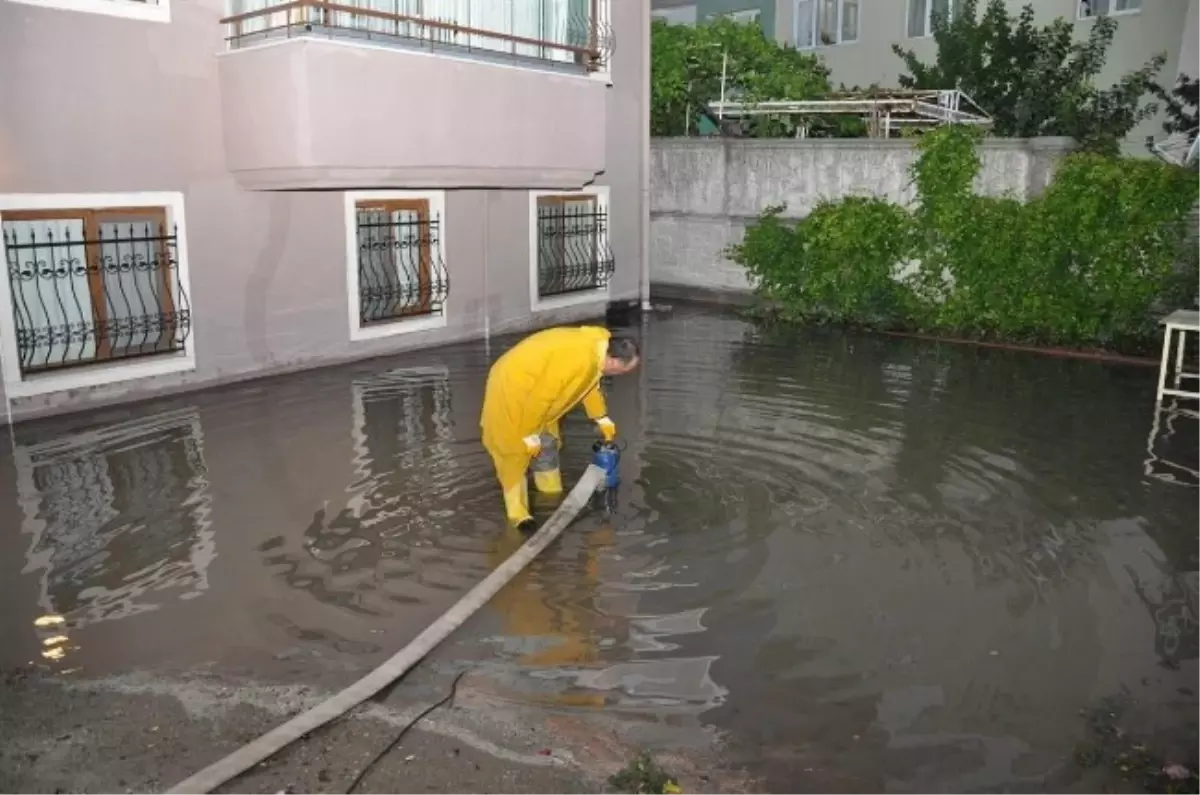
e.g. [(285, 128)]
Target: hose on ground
[(337, 705)]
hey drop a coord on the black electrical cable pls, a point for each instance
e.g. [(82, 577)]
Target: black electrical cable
[(396, 740)]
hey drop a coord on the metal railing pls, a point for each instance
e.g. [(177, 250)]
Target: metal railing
[(400, 269), (573, 251), (95, 295), (568, 32)]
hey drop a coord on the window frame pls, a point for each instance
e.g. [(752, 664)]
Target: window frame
[(743, 16), (435, 204), (1125, 12), (139, 10), (817, 20), (16, 206), (537, 303), (928, 24)]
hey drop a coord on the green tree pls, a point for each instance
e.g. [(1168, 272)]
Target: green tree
[(685, 75), (1035, 80), (1180, 106)]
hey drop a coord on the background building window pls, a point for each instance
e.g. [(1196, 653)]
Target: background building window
[(922, 12), (573, 255), (825, 22), (1104, 8), (401, 273), (92, 286)]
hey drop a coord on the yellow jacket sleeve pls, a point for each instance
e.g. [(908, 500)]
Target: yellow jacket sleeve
[(594, 403)]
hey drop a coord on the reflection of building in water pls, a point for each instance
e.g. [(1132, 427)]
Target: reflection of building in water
[(372, 553), (119, 520)]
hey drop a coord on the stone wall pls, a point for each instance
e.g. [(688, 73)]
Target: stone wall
[(704, 191)]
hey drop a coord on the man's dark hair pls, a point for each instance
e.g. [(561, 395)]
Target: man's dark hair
[(623, 349)]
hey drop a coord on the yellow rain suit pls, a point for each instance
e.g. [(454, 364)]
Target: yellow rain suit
[(529, 389)]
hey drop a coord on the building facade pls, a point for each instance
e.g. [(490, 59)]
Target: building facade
[(200, 192), (855, 37)]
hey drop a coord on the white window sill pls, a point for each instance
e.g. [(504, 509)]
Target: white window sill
[(126, 9), (1131, 12), (833, 46), (575, 299), (383, 330), (97, 375)]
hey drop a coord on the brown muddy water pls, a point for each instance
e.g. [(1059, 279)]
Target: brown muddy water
[(858, 563)]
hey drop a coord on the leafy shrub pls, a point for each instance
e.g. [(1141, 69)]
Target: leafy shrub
[(1085, 263)]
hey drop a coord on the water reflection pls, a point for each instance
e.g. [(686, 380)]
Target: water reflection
[(570, 625), (405, 526), (909, 563), (118, 519), (1170, 444)]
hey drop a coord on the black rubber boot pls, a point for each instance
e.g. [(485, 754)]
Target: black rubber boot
[(528, 527)]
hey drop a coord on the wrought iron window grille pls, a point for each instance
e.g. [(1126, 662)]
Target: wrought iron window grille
[(88, 291), (573, 250), (401, 273)]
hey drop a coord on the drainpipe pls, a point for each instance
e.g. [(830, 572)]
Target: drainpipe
[(644, 21)]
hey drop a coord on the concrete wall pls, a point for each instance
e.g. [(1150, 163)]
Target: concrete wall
[(288, 117), (705, 191), (1162, 26), (97, 104)]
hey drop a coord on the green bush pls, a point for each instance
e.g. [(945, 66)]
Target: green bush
[(1084, 264)]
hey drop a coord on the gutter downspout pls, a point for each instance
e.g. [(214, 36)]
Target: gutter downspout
[(644, 21)]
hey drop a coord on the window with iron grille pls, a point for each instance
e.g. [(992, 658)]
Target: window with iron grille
[(573, 255), (401, 273), (94, 286)]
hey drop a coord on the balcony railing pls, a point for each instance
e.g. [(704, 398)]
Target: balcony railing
[(573, 33), (93, 286)]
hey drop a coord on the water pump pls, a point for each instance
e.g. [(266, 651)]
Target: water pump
[(607, 456)]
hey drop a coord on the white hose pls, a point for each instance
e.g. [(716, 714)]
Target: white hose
[(279, 738)]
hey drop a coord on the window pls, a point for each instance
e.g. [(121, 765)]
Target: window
[(92, 285), (1104, 8), (572, 259), (397, 271), (744, 17), (825, 22), (145, 10), (572, 32), (921, 14)]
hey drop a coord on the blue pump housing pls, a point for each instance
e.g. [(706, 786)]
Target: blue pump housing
[(607, 456)]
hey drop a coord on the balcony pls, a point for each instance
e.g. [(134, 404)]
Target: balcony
[(486, 93)]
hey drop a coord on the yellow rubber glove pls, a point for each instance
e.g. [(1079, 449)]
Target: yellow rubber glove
[(608, 429), (533, 445)]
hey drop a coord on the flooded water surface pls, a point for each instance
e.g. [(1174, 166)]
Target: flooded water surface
[(857, 562)]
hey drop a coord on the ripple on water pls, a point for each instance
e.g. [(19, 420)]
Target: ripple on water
[(916, 557)]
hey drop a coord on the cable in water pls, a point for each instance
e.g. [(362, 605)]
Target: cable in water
[(449, 697)]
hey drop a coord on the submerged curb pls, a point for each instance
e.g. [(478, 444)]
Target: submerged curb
[(1066, 353)]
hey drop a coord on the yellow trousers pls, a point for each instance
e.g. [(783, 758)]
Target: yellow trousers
[(512, 472)]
